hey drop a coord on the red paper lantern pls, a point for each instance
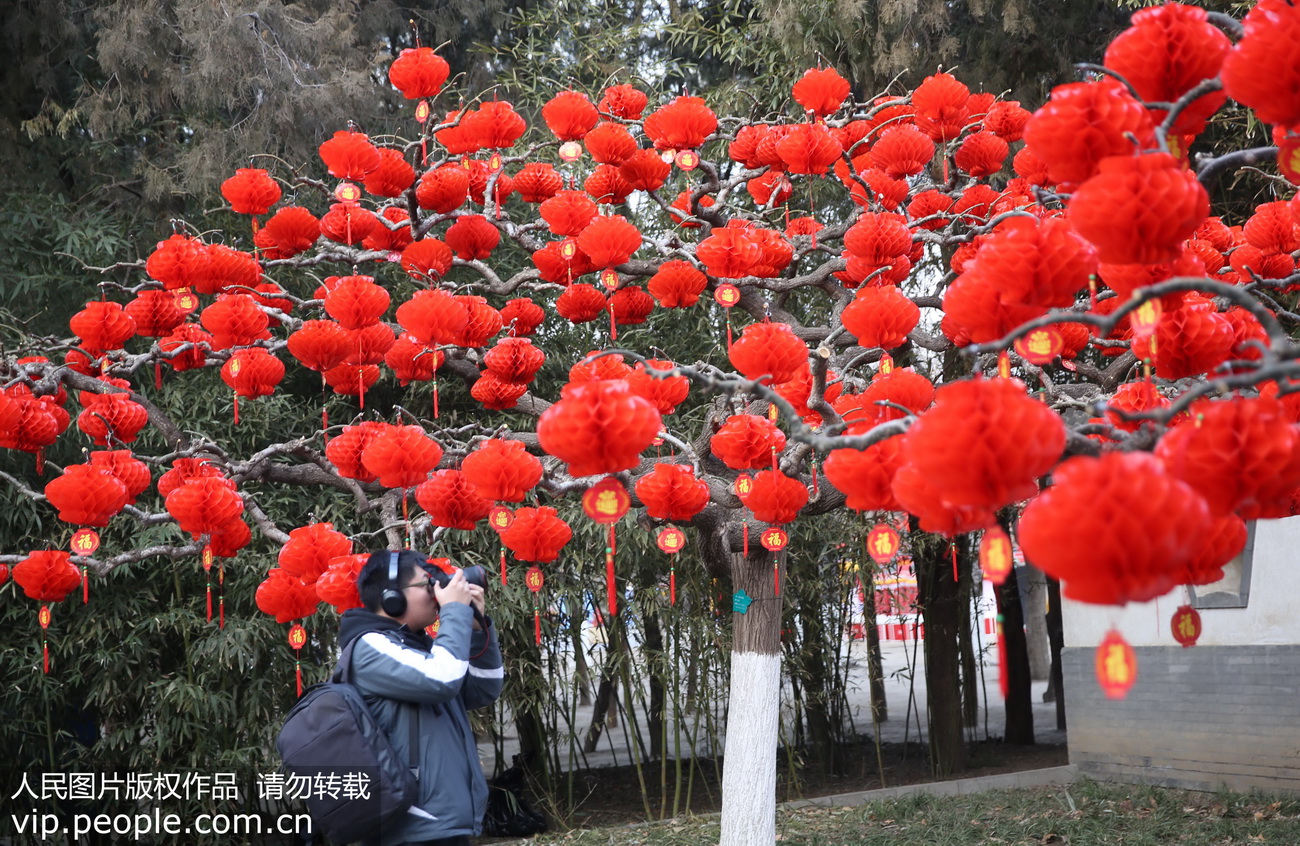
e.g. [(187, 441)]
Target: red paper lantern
[(482, 323), (86, 495), (581, 303), (418, 72), (1258, 71), (473, 237), (338, 584), (47, 575), (252, 372), (1224, 540), (412, 361), (433, 317), (183, 470), (570, 115), (496, 393), (644, 170), (443, 189), (538, 182), (310, 549), (880, 317), (747, 441), (1032, 262), (235, 320), (665, 392), (981, 154), (402, 456), (480, 174), (775, 497), (348, 223), (126, 468), (607, 186), (771, 350), (610, 143), (319, 344), (1006, 119), (878, 238), (569, 212), (598, 427), (356, 301), (494, 125), (344, 450), (623, 101), (226, 541), (350, 155), (458, 138), (393, 176), (677, 284), (729, 252), (515, 360), (102, 325), (934, 512), (155, 313), (1185, 625), (537, 534), (821, 91), (290, 231), (250, 191), (940, 104), (1238, 453), (865, 476), (351, 380), (683, 124), (112, 416), (178, 262), (1189, 340), (1082, 124), (609, 241), (985, 442), (1139, 209), (451, 500), (603, 367), (809, 148), (502, 471), (902, 151), (1166, 52), (631, 305), (285, 597), (1116, 665), (203, 505), (1114, 529), (521, 317), (672, 492), (996, 559)]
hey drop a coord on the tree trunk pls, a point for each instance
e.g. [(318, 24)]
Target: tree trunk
[(875, 663), (749, 766), (1056, 636), (605, 711), (526, 700), (657, 666), (970, 690), (937, 595), (1033, 594), (1020, 712)]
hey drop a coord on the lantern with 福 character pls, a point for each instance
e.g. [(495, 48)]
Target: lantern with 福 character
[(46, 576), (774, 539), (1186, 625), (671, 540), (534, 580), (606, 502), (995, 555), (882, 543), (1116, 665)]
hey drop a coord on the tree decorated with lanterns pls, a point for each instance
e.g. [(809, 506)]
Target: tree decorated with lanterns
[(917, 305)]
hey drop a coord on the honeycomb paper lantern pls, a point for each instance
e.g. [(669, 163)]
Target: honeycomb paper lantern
[(623, 101), (917, 495), (677, 284), (501, 470), (902, 151), (310, 549), (412, 361), (609, 241), (179, 262), (183, 470), (235, 320), (665, 392), (683, 124), (285, 597), (610, 143), (393, 176), (345, 449), (808, 148), (747, 441), (865, 476), (769, 349), (570, 115), (581, 303), (515, 360), (126, 468), (941, 107), (645, 170), (290, 231), (443, 189), (452, 501), (251, 191), (86, 495), (1114, 529), (821, 91), (985, 442), (112, 418), (433, 317), (47, 575), (202, 505), (495, 393), (338, 584), (536, 534), (319, 344), (880, 317), (607, 186), (521, 317), (401, 456), (494, 125), (472, 237), (1082, 124), (1258, 71), (155, 313), (538, 182), (418, 72), (252, 372), (103, 325), (1040, 263), (598, 427), (775, 497), (672, 492)]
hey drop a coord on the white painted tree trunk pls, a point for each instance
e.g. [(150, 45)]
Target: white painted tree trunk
[(749, 765)]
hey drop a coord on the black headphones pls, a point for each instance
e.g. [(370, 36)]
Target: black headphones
[(393, 599)]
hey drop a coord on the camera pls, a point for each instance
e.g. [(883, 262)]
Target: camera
[(473, 574)]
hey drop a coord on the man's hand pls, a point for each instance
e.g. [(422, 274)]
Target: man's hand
[(478, 598), (457, 590)]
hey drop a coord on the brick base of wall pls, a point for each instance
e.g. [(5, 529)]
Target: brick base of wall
[(1202, 718)]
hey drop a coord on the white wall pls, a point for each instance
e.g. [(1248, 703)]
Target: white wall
[(1272, 615)]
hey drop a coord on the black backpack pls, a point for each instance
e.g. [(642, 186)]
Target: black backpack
[(339, 760)]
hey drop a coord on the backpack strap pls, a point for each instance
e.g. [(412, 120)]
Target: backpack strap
[(342, 673)]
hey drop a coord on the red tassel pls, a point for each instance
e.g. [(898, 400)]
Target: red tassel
[(613, 325), (728, 332), (503, 566), (952, 547), (236, 409), (45, 655), (157, 375), (40, 461), (85, 584), (221, 596), (209, 601), (435, 399), (537, 627), (745, 538), (611, 587), (672, 586), (776, 578), (297, 672)]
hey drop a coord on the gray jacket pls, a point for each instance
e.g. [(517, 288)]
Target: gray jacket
[(406, 676)]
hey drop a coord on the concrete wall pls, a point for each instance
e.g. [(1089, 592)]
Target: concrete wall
[(1225, 713)]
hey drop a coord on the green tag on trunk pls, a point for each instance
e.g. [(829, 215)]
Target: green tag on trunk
[(741, 601)]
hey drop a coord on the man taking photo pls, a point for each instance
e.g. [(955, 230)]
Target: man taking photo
[(405, 675)]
